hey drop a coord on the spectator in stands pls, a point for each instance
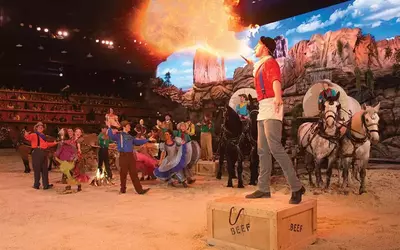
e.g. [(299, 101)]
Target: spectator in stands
[(10, 105), (21, 97), (35, 107), (16, 117), (63, 119), (43, 107), (13, 96), (26, 106), (65, 92)]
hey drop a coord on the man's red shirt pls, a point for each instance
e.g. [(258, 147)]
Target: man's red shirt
[(270, 72)]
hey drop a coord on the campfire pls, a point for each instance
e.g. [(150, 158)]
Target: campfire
[(101, 178)]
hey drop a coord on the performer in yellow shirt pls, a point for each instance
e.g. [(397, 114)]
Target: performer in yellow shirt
[(191, 129)]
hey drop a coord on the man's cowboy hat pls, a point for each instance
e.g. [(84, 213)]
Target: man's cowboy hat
[(39, 124), (124, 123)]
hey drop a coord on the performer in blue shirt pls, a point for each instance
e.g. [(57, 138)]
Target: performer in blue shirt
[(241, 108), (127, 156)]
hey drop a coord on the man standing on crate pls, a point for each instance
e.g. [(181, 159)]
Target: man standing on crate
[(267, 80), (39, 155)]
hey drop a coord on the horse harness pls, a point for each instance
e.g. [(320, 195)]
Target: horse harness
[(355, 141), (317, 129)]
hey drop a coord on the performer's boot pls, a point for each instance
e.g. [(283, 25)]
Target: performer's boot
[(64, 179), (68, 188), (27, 168), (184, 184), (79, 188), (191, 181), (296, 196)]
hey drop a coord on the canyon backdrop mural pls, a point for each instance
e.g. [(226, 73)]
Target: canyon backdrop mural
[(355, 44)]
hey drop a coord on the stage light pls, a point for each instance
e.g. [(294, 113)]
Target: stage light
[(128, 62), (41, 47), (65, 33), (61, 74), (46, 30), (140, 42), (19, 45), (59, 33), (103, 42), (107, 42), (38, 29), (30, 26), (134, 41), (97, 41), (89, 55), (22, 24), (140, 94), (111, 43)]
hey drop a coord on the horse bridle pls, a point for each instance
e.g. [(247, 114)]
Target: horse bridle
[(369, 131)]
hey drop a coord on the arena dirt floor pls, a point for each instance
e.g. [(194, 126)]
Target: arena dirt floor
[(175, 218)]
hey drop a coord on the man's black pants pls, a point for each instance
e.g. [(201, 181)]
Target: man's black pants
[(39, 164), (104, 158)]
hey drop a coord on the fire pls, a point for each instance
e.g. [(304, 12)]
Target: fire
[(173, 25)]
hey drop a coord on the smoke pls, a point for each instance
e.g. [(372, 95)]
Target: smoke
[(172, 25)]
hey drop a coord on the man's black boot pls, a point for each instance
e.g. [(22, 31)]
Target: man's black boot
[(258, 194), (296, 196)]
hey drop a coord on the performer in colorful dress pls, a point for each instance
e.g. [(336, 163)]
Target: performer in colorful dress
[(241, 108), (140, 130), (174, 159), (329, 92), (182, 132), (112, 119)]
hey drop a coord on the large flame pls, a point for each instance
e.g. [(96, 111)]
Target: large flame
[(172, 25)]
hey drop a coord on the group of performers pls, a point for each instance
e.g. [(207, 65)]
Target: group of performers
[(172, 161), (69, 149)]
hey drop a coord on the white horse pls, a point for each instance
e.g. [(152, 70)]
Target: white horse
[(321, 141), (356, 143)]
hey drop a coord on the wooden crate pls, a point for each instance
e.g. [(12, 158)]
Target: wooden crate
[(261, 224), (207, 168)]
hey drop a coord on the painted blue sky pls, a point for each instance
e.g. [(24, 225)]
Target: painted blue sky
[(380, 18)]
